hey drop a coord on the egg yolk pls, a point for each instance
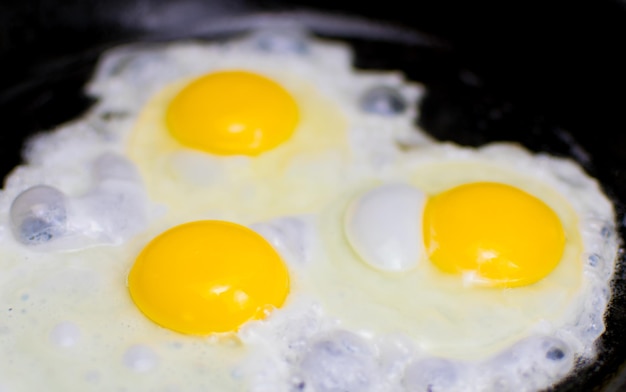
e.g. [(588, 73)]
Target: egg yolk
[(208, 276), (498, 235), (232, 113)]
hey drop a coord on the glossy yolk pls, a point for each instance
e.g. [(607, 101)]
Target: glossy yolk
[(494, 234), (232, 113), (208, 276)]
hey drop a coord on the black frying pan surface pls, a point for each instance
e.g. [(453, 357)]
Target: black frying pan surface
[(549, 76)]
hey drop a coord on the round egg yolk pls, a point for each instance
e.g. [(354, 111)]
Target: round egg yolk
[(232, 113), (494, 234), (208, 276)]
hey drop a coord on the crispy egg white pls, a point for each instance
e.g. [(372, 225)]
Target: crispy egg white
[(341, 202)]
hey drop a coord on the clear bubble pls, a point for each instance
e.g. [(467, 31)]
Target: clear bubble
[(140, 358), (39, 215), (282, 41), (430, 375), (65, 334), (607, 231), (594, 259), (383, 100), (339, 362)]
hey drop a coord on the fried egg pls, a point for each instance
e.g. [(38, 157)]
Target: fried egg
[(257, 215)]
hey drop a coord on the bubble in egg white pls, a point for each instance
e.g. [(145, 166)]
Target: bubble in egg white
[(39, 215), (65, 334), (293, 237), (395, 352), (288, 41), (140, 358), (431, 375), (339, 361), (383, 100)]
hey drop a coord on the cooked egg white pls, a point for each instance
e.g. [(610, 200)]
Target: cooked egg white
[(447, 314), (107, 276)]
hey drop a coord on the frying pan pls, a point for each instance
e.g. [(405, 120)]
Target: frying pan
[(549, 76)]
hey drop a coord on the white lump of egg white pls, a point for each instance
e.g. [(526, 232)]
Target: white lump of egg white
[(69, 322), (378, 230)]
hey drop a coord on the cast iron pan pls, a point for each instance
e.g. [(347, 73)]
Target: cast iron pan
[(547, 76)]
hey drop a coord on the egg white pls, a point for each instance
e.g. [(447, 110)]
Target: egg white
[(69, 321), (443, 314)]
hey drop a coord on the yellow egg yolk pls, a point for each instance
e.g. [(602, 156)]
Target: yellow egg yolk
[(498, 235), (208, 276), (232, 113)]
